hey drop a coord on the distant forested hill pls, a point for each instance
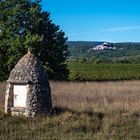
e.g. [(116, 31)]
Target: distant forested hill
[(117, 52)]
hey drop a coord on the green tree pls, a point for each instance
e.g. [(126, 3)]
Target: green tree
[(23, 25)]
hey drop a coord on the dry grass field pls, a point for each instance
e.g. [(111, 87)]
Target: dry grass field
[(81, 111), (97, 96)]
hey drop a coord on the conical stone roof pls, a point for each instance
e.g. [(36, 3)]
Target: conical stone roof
[(29, 69)]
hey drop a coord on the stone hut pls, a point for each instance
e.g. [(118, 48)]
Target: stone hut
[(28, 90)]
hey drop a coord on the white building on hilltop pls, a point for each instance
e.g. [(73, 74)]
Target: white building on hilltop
[(104, 46)]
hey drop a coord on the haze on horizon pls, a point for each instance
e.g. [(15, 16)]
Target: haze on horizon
[(96, 20)]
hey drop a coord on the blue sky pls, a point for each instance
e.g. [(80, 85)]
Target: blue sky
[(96, 20)]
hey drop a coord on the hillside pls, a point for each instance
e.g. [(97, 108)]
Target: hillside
[(116, 51)]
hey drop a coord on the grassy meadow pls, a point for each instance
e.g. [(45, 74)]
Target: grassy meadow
[(81, 111)]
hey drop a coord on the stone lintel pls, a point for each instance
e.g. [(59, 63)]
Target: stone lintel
[(18, 81), (18, 109)]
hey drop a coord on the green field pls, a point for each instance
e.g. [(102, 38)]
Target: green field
[(102, 72)]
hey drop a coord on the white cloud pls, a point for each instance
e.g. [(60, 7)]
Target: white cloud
[(78, 33), (117, 29)]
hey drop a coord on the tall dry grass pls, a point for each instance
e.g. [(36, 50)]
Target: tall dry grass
[(82, 111), (97, 96)]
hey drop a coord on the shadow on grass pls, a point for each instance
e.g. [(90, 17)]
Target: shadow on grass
[(60, 110)]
